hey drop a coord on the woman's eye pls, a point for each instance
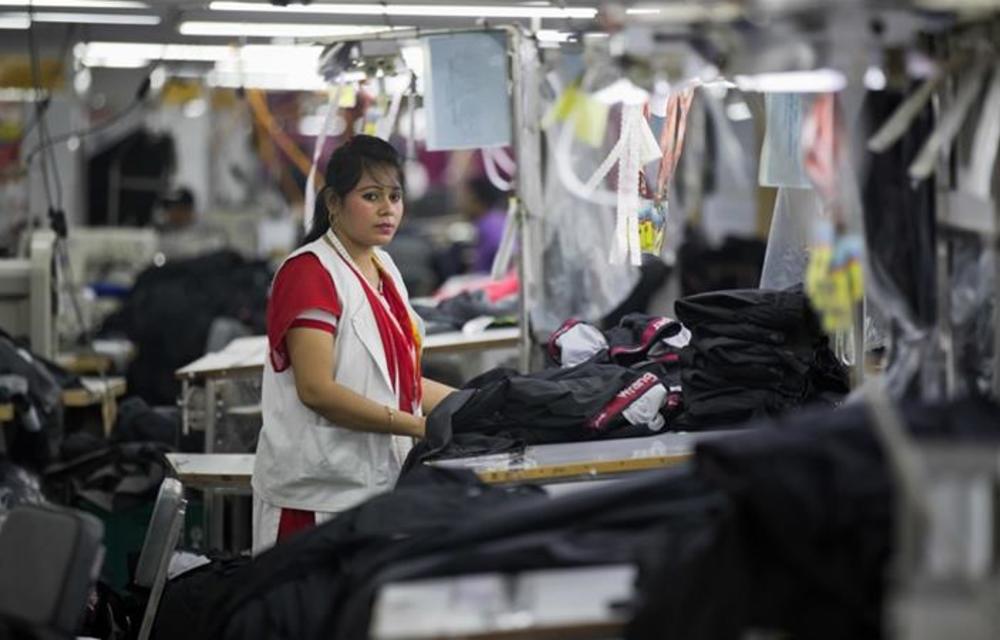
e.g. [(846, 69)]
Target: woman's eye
[(396, 197), (371, 197)]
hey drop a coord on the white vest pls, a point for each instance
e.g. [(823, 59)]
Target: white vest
[(303, 460)]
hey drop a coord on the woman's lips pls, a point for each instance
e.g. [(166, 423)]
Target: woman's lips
[(386, 228)]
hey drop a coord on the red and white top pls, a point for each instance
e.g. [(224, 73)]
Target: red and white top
[(304, 461)]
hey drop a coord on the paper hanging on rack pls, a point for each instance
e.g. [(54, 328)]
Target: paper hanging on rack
[(781, 155), (636, 147), (466, 98), (310, 195)]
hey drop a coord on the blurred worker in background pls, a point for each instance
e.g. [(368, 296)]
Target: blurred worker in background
[(486, 207)]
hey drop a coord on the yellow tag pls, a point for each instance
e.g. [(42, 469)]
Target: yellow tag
[(563, 107), (590, 120), (370, 128), (856, 279), (348, 96), (816, 272)]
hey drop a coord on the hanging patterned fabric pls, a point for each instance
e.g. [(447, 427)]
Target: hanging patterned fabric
[(636, 146)]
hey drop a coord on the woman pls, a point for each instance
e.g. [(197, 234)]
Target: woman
[(342, 391)]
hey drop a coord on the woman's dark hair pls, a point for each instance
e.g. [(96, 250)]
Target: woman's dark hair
[(348, 163)]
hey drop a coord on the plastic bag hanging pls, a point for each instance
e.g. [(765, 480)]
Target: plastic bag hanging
[(636, 146), (834, 275), (310, 195), (655, 207)]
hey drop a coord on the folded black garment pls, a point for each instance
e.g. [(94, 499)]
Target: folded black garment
[(732, 406), (728, 353), (741, 331), (701, 375), (450, 314), (766, 308)]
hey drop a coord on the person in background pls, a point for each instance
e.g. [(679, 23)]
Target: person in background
[(486, 207), (342, 392), (183, 233), (177, 210)]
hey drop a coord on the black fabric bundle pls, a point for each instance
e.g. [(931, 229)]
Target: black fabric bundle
[(787, 527), (804, 546), (753, 353), (502, 410), (169, 311)]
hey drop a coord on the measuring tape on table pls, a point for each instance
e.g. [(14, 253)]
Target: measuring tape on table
[(580, 469)]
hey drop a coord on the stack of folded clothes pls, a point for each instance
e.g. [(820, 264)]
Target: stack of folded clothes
[(753, 352)]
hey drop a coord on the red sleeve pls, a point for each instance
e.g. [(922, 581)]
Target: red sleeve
[(302, 283)]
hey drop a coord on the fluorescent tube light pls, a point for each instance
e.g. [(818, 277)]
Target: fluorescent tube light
[(427, 10), (14, 21), (818, 81), (267, 81), (689, 12), (76, 4), (274, 29), (248, 57), (88, 18)]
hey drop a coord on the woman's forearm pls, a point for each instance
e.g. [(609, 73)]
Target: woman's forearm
[(434, 393), (351, 410)]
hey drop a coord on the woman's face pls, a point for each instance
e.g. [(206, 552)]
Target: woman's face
[(369, 214)]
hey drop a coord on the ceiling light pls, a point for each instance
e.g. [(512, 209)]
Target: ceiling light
[(818, 81), (14, 21), (251, 56), (553, 35), (267, 81), (274, 29), (75, 4), (89, 18), (689, 12), (415, 10)]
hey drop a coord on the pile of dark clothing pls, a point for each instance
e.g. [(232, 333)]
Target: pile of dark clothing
[(615, 384), (170, 310), (452, 313), (34, 387), (754, 353), (787, 528)]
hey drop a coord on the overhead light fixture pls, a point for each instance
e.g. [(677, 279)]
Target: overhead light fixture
[(818, 81), (14, 21), (689, 12), (75, 4), (553, 35), (87, 18), (251, 57), (412, 10), (267, 81), (274, 29)]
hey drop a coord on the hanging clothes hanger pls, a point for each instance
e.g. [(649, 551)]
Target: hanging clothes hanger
[(978, 177), (951, 121), (901, 119)]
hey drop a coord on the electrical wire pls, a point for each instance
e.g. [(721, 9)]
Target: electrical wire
[(39, 111), (83, 133)]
